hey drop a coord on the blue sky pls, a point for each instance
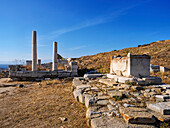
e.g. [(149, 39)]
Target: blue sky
[(81, 27)]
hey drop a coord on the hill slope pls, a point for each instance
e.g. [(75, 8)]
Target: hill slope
[(159, 52)]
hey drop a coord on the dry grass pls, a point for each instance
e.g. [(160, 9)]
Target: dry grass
[(164, 76), (41, 106)]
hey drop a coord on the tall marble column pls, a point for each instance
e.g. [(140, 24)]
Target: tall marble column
[(34, 51), (54, 68)]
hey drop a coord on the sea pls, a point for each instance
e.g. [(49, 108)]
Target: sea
[(4, 66)]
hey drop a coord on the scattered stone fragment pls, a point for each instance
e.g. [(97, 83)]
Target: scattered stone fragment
[(62, 119), (128, 105)]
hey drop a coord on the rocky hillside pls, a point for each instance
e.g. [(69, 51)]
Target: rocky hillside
[(159, 52)]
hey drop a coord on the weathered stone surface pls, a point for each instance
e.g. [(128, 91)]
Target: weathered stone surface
[(165, 86), (137, 115), (76, 94), (163, 107), (109, 82), (115, 93), (89, 101), (82, 98), (163, 69), (125, 86), (89, 76), (83, 86), (102, 102), (91, 111), (162, 97), (103, 97), (126, 80), (110, 107), (168, 91), (128, 105), (108, 122), (152, 80), (95, 89), (138, 88), (76, 82)]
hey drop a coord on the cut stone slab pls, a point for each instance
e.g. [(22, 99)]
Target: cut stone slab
[(108, 122), (115, 93), (102, 102), (89, 76), (83, 86), (76, 94), (89, 101), (91, 111), (136, 115), (163, 69), (163, 107), (108, 82), (104, 97), (168, 91), (152, 80), (76, 82), (95, 89), (162, 97), (126, 80)]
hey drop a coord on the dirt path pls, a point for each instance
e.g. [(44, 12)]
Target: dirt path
[(42, 106)]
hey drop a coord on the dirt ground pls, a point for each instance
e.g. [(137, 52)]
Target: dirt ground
[(50, 104)]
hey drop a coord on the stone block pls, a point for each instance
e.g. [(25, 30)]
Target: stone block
[(95, 89), (136, 115), (108, 82), (163, 107), (82, 86), (152, 80), (76, 94), (76, 82), (89, 76), (126, 80), (162, 97), (108, 122), (163, 69), (89, 101), (115, 93), (168, 91), (102, 102)]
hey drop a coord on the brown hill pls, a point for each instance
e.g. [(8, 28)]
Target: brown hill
[(159, 52)]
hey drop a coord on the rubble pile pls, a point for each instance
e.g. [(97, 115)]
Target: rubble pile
[(112, 104)]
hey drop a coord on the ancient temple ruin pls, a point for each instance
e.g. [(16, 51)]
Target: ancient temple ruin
[(132, 69), (18, 71), (132, 65)]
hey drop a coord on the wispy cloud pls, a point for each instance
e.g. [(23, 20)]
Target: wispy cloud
[(42, 45), (92, 22), (77, 48)]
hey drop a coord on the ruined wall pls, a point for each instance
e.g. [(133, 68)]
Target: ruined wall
[(132, 65), (139, 65)]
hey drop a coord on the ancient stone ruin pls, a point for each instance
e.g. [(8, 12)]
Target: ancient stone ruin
[(19, 72), (128, 97)]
